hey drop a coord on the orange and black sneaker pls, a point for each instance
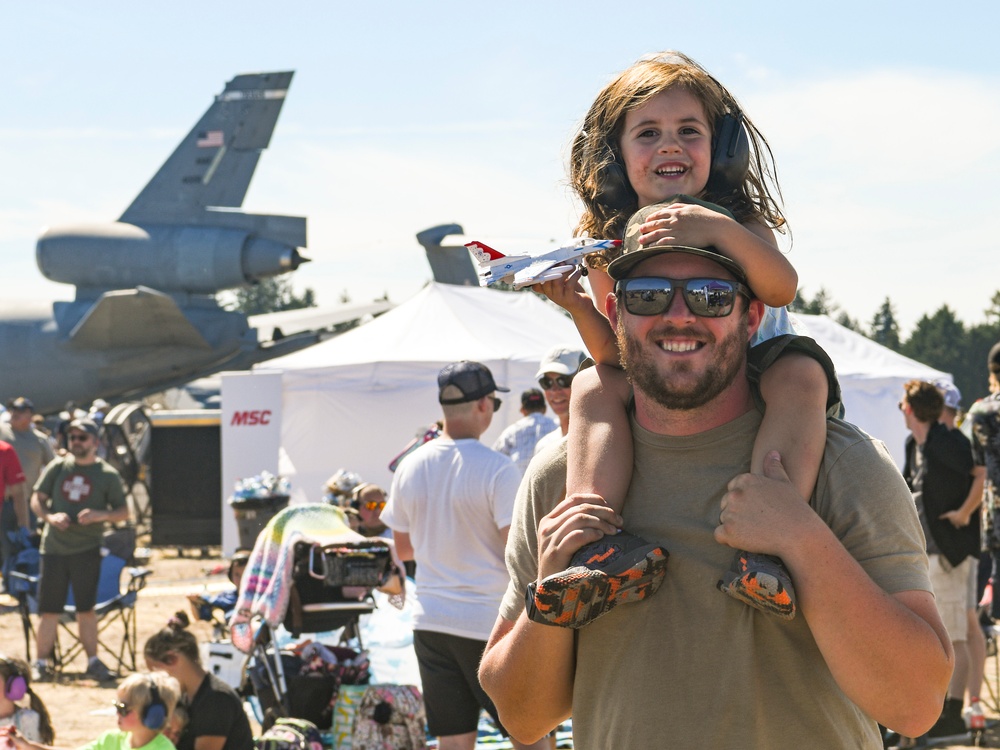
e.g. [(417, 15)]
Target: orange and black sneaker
[(614, 570), (762, 581)]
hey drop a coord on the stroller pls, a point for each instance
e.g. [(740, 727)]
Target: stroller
[(309, 573)]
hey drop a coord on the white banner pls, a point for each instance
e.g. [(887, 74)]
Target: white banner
[(250, 434)]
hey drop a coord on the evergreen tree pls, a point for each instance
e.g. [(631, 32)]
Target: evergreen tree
[(992, 312), (821, 304), (884, 329), (271, 295), (848, 322), (938, 341)]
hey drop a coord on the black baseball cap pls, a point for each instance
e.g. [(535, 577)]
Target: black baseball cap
[(532, 399), (87, 425), (465, 381), (21, 403), (633, 253)]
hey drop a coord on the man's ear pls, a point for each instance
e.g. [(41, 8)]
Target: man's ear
[(611, 310), (755, 314)]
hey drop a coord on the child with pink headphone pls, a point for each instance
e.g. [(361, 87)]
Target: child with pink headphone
[(31, 722)]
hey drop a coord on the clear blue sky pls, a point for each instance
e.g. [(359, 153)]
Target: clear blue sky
[(882, 117)]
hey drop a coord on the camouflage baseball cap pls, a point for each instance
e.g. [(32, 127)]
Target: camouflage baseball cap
[(633, 253)]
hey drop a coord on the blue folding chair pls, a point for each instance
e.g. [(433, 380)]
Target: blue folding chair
[(117, 590)]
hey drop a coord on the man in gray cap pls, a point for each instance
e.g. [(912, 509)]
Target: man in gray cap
[(450, 508), (76, 495)]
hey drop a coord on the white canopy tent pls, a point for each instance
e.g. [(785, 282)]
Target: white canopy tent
[(871, 379), (355, 401)]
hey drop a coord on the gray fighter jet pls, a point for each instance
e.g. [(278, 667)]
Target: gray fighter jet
[(145, 316)]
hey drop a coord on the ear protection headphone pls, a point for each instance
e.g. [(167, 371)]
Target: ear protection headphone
[(15, 687), (154, 716), (730, 152)]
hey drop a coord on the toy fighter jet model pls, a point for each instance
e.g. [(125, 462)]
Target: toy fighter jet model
[(524, 270)]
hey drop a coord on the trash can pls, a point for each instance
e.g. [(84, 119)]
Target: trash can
[(253, 514)]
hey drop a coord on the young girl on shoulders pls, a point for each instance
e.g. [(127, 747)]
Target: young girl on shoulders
[(664, 132)]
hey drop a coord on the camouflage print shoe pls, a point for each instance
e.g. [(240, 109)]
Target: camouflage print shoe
[(614, 570), (762, 581)]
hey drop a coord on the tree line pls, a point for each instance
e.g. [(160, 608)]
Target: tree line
[(939, 340)]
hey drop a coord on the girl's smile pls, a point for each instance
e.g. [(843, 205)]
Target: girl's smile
[(667, 147)]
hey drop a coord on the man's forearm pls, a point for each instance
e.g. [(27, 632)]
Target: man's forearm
[(890, 654), (39, 505), (528, 671)]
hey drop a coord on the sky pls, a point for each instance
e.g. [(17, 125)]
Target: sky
[(402, 116)]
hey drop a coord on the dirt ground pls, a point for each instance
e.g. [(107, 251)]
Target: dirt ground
[(81, 708)]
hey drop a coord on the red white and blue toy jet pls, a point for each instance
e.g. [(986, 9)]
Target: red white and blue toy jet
[(524, 270)]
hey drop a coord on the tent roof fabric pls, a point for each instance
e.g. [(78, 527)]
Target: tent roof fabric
[(445, 323)]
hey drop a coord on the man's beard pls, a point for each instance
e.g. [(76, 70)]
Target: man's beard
[(673, 392)]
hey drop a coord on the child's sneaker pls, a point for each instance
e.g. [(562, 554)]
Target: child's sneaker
[(975, 718), (42, 672), (616, 569), (762, 581)]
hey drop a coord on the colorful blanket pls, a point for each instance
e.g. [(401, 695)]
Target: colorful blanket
[(266, 585)]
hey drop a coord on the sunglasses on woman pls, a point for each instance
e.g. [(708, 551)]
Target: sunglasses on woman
[(563, 381), (706, 298)]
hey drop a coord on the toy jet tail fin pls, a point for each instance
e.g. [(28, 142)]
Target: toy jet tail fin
[(213, 165), (483, 253)]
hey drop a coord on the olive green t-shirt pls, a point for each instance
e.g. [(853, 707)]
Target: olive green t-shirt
[(71, 488), (690, 667)]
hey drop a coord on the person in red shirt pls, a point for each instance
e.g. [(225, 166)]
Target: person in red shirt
[(12, 492)]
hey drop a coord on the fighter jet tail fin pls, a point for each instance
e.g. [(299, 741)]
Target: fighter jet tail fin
[(134, 318), (213, 165)]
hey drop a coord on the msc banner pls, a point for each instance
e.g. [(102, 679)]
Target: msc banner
[(251, 436)]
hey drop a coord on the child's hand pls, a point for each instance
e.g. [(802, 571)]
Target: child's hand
[(567, 292), (682, 224), (578, 520)]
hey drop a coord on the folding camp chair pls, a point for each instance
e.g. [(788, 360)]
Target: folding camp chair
[(117, 590)]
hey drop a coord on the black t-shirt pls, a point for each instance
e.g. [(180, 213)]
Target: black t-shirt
[(216, 711)]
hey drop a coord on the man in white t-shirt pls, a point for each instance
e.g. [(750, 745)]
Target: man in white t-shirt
[(450, 508)]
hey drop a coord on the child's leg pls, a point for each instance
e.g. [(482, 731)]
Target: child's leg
[(615, 569), (795, 390), (599, 443)]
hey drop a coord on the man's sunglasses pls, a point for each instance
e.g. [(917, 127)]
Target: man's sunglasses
[(122, 708), (563, 381), (706, 298), (77, 436)]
